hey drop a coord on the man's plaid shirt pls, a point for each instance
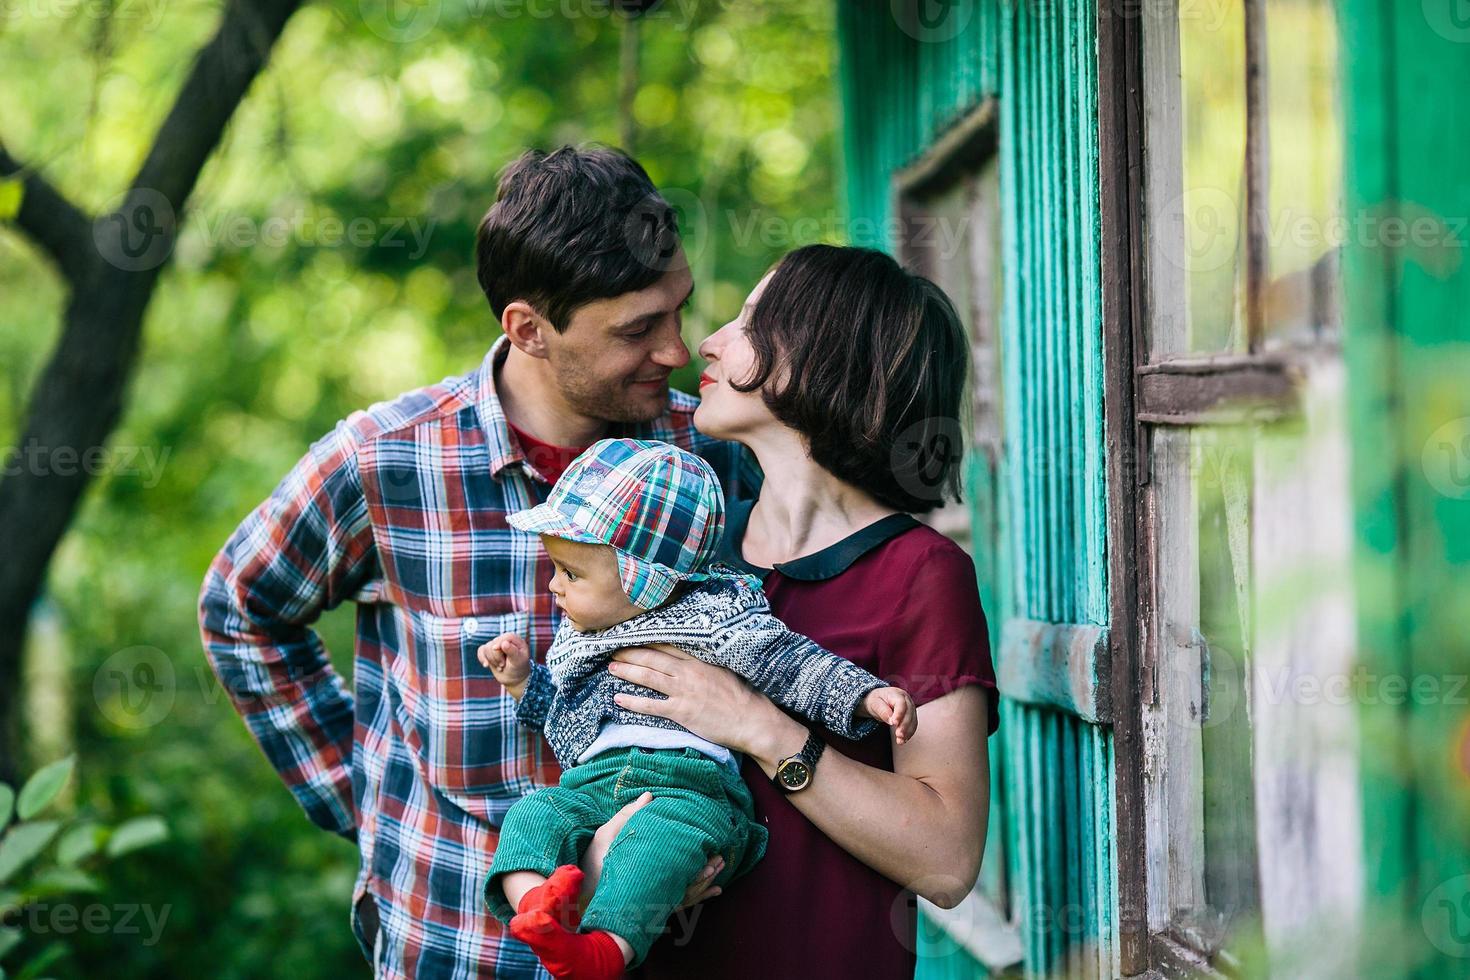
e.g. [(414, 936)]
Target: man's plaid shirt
[(402, 509)]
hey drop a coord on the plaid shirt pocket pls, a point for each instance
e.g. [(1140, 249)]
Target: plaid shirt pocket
[(457, 718)]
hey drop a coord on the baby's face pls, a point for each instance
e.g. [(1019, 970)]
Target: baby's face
[(586, 584)]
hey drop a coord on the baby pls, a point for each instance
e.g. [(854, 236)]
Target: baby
[(631, 529)]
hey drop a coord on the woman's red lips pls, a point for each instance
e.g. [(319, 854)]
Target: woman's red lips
[(705, 379)]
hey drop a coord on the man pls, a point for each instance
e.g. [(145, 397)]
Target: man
[(402, 509)]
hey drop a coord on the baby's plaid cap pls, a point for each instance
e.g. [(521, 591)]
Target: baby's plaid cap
[(658, 506)]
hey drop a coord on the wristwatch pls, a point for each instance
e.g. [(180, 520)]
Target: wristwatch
[(795, 772)]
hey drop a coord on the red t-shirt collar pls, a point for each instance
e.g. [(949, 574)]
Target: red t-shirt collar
[(549, 461)]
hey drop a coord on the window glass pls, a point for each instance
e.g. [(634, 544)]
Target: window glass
[(1305, 126), (1211, 200)]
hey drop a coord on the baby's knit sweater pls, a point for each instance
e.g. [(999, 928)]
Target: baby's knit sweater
[(724, 621)]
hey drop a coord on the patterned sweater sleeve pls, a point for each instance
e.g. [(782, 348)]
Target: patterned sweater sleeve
[(536, 701), (794, 672)]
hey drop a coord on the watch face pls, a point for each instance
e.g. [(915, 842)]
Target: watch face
[(795, 774)]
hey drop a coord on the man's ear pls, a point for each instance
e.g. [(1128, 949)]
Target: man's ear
[(526, 328)]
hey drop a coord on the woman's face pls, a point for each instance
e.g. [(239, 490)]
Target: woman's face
[(724, 412)]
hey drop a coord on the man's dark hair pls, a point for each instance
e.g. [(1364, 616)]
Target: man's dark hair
[(872, 361), (573, 226)]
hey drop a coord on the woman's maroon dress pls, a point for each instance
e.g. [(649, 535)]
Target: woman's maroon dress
[(900, 600)]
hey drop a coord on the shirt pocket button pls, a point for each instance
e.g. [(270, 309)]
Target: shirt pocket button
[(471, 625)]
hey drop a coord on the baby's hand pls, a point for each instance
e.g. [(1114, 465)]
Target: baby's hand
[(509, 659), (893, 707)]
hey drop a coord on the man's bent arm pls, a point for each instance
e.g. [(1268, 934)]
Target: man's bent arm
[(305, 550)]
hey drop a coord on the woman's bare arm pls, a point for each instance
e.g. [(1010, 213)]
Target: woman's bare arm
[(922, 826)]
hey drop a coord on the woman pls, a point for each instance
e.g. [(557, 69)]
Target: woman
[(843, 374)]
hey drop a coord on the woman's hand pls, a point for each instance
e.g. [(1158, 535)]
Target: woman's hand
[(701, 888), (710, 701)]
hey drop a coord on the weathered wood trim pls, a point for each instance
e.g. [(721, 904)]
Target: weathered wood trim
[(1174, 958), (1172, 749), (1172, 822), (1257, 175), (1219, 390), (1061, 665), (1121, 216), (962, 149)]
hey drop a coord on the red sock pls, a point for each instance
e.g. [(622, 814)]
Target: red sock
[(557, 896), (567, 954)]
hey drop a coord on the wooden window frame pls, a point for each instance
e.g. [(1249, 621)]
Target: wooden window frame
[(977, 924), (1179, 391), (964, 148), (1224, 389), (1121, 196), (1185, 392), (961, 152)]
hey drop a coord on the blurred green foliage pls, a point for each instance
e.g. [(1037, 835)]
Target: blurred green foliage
[(42, 887), (262, 334)]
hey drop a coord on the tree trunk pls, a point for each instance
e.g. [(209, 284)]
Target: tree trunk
[(112, 265)]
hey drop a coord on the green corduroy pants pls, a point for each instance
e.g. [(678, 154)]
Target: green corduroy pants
[(700, 808)]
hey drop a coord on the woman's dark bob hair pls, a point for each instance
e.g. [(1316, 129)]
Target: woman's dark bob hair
[(870, 363)]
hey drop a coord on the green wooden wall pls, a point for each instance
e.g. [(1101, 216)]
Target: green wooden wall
[(901, 88), (903, 84), (1406, 77), (1060, 784)]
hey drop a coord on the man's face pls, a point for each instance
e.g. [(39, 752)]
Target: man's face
[(613, 360)]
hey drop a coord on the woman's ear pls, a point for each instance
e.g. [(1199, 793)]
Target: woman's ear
[(525, 327)]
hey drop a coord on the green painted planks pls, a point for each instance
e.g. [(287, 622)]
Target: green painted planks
[(1059, 779), (941, 958), (1053, 336), (900, 89)]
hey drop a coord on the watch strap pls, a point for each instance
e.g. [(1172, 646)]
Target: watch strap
[(811, 750)]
